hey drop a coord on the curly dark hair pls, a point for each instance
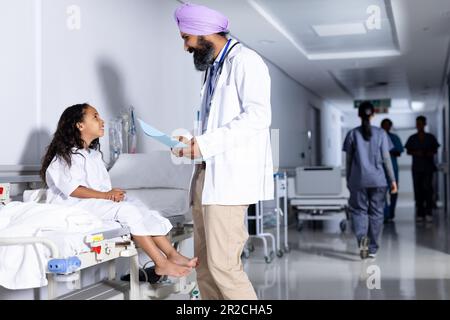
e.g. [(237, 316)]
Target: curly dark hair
[(66, 137)]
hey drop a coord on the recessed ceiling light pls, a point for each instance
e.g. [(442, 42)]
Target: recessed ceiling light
[(342, 29), (266, 42), (417, 105), (353, 54)]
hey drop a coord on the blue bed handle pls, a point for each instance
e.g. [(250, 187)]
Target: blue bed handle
[(67, 265)]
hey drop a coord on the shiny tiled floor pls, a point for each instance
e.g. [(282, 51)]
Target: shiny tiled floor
[(412, 263)]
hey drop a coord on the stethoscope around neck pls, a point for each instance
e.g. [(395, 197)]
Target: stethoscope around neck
[(220, 68)]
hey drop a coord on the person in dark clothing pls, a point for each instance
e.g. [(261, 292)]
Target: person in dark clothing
[(423, 146)]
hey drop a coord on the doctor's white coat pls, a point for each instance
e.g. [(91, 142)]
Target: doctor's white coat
[(236, 144)]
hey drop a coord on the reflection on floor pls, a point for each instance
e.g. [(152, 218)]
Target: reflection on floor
[(412, 263)]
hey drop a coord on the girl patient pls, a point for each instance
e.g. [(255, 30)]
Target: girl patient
[(75, 174)]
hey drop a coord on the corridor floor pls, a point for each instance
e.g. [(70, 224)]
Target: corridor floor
[(323, 263)]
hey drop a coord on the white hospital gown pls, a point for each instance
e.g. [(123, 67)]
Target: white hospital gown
[(88, 170)]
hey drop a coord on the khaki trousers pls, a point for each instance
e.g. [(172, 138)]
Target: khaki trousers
[(219, 238)]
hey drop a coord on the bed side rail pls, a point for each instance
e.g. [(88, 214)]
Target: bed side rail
[(54, 252)]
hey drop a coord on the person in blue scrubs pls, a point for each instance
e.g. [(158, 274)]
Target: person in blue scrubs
[(389, 210), (367, 149)]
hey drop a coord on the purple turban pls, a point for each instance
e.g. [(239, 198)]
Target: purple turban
[(200, 20)]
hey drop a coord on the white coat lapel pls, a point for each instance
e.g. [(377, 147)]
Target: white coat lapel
[(202, 91)]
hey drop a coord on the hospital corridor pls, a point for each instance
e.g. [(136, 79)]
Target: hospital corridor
[(225, 150), (413, 263)]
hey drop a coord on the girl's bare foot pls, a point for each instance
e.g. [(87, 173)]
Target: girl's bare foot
[(168, 268), (181, 260)]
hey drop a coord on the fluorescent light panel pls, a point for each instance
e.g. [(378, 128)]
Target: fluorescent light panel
[(342, 29), (353, 54), (417, 105), (322, 56)]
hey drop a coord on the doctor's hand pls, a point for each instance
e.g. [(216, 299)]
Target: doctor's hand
[(192, 151), (394, 188), (116, 195)]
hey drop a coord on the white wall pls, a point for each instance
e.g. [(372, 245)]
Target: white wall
[(127, 52), (331, 127), (18, 114), (290, 107)]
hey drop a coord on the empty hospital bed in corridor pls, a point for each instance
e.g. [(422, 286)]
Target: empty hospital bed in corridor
[(319, 193)]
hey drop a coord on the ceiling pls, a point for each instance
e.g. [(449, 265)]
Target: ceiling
[(342, 50), (304, 19)]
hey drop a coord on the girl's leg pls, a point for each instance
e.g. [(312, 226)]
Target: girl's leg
[(173, 255), (163, 266)]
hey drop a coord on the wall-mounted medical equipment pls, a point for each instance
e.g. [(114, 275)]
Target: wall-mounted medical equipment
[(122, 134)]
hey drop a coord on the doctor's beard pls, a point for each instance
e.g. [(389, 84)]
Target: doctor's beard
[(203, 55)]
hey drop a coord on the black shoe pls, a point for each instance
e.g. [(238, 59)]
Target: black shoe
[(145, 275), (364, 247)]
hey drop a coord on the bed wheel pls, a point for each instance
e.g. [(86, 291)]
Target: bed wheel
[(268, 259), (279, 253)]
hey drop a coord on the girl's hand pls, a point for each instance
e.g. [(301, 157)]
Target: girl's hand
[(116, 195)]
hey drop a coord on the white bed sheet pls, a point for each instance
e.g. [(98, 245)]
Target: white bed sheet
[(73, 243), (169, 202), (24, 266)]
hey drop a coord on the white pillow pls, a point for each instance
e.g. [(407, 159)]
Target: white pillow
[(150, 170), (39, 195)]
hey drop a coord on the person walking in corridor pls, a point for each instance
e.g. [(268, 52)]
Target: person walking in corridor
[(367, 150), (389, 210), (423, 146)]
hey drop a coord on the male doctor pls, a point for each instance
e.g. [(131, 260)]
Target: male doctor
[(233, 143)]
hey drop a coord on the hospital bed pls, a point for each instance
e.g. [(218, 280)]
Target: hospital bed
[(159, 183), (319, 193)]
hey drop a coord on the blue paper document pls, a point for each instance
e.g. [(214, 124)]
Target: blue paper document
[(161, 137)]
